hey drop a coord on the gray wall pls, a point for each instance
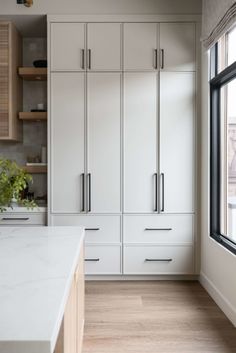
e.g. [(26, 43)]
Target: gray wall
[(103, 7)]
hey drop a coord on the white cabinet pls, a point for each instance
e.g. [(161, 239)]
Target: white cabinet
[(67, 141), (103, 123), (103, 260), (140, 142), (140, 46), (177, 106), (104, 46), (158, 260), (67, 46), (177, 46)]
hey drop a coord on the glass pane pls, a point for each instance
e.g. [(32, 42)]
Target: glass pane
[(232, 46), (228, 160)]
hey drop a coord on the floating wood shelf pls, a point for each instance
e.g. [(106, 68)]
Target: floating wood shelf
[(33, 73), (33, 169), (33, 116)]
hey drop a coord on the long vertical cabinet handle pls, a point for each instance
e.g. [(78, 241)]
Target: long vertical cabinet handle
[(89, 59), (155, 59), (162, 59), (162, 192), (155, 194), (82, 59), (83, 191), (89, 192)]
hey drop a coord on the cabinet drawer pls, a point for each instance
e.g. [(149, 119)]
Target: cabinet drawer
[(158, 260), (158, 229), (24, 219), (98, 229), (102, 260)]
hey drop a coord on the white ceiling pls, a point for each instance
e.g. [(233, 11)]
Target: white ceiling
[(28, 25)]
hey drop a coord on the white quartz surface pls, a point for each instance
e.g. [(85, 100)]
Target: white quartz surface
[(36, 270), (37, 209)]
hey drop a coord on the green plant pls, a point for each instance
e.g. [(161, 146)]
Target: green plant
[(13, 181)]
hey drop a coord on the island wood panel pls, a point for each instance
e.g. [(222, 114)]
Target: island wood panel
[(70, 336)]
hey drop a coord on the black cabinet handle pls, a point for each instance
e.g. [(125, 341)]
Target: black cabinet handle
[(158, 260), (89, 59), (83, 209), (162, 59), (155, 196), (89, 192), (162, 192), (82, 59), (92, 229), (155, 58), (92, 260), (160, 229), (15, 219)]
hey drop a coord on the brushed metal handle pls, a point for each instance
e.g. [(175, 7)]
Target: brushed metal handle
[(155, 58), (15, 219), (89, 192), (166, 229), (158, 260), (155, 194), (83, 198), (89, 59), (95, 229), (162, 59), (162, 192), (92, 260)]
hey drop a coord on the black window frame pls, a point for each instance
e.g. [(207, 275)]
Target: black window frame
[(216, 83)]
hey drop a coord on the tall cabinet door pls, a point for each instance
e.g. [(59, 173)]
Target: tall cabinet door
[(104, 91), (177, 104), (67, 141), (140, 46), (104, 46), (140, 142), (177, 44), (67, 46)]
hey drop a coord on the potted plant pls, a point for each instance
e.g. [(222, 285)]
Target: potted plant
[(13, 181)]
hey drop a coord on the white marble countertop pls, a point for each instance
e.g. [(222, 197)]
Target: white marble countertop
[(36, 270)]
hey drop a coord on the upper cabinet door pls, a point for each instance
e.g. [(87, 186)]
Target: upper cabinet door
[(104, 90), (67, 46), (177, 46), (140, 46), (140, 142), (177, 141), (104, 46), (67, 141)]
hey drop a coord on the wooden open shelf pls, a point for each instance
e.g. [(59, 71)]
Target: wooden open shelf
[(35, 169), (33, 73), (33, 116)]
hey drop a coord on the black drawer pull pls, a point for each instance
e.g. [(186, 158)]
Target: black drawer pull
[(92, 229), (158, 229), (15, 219), (158, 260), (93, 260)]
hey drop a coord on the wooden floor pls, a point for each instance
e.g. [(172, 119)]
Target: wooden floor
[(154, 317)]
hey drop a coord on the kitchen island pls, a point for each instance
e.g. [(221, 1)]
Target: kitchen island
[(41, 289)]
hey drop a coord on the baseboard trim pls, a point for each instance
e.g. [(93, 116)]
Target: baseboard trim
[(141, 278), (228, 309)]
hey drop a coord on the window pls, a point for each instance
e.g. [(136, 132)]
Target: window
[(223, 141)]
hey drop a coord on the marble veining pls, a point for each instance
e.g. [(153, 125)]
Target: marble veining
[(36, 269)]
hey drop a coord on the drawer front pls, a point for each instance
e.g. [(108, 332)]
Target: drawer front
[(158, 260), (102, 260), (23, 219), (160, 229), (98, 229)]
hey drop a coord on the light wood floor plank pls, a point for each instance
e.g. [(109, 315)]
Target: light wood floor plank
[(154, 317)]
